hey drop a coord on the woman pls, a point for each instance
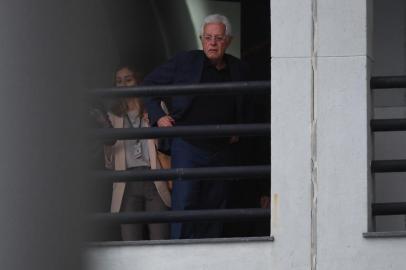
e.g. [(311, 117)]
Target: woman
[(135, 155)]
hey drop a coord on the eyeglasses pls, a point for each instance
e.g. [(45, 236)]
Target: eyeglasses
[(208, 38)]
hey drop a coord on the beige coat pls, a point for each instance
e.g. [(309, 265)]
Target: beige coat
[(115, 159)]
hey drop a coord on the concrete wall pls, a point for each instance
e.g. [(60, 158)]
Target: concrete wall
[(291, 84), (208, 256), (321, 145)]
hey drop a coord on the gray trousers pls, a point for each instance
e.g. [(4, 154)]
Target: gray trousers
[(143, 196)]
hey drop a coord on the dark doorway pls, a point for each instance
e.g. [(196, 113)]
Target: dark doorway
[(255, 50)]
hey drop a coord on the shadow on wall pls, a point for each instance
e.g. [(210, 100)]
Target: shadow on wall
[(148, 32)]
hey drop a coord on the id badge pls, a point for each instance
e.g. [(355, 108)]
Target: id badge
[(137, 151)]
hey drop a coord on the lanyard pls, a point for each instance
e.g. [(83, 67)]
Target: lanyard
[(131, 123), (132, 126)]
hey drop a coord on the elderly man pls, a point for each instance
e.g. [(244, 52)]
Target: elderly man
[(212, 65)]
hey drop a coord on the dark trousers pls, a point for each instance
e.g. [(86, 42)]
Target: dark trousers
[(143, 196), (198, 194)]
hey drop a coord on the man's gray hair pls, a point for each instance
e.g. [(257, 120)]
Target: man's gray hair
[(217, 18)]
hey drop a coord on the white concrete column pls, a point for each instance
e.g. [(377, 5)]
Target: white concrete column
[(291, 123), (342, 115), (343, 111)]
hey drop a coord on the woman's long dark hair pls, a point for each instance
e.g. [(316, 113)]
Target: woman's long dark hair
[(120, 107)]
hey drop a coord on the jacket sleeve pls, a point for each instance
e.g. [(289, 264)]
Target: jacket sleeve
[(162, 75)]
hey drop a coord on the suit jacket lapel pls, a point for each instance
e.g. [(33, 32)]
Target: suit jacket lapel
[(235, 72), (198, 69), (182, 103)]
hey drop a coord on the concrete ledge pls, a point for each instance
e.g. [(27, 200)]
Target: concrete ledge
[(394, 234), (180, 241)]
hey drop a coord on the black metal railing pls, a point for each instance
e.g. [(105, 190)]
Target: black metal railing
[(208, 173), (182, 216), (228, 88), (184, 131), (385, 209), (385, 166), (387, 125), (387, 82), (380, 125)]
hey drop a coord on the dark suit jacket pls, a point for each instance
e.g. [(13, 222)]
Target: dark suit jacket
[(185, 68)]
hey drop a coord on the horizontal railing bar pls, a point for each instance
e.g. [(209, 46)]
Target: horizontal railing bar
[(181, 216), (388, 209), (182, 131), (227, 88), (388, 125), (383, 166), (206, 173), (381, 82)]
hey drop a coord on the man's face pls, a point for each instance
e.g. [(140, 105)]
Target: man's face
[(214, 41)]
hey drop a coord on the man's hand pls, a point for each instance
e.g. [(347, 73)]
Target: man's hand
[(166, 121)]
